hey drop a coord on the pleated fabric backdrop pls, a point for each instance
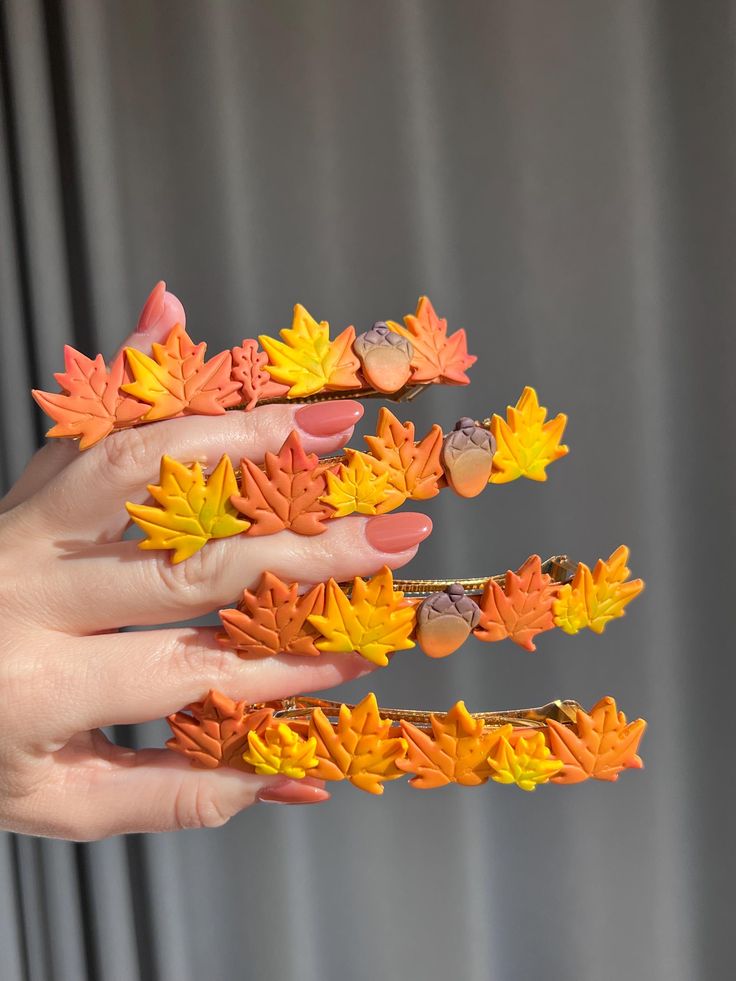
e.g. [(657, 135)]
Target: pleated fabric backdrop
[(560, 178)]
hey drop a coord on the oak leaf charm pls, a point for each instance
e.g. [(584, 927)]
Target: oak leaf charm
[(308, 361), (191, 510), (525, 443), (595, 598), (414, 470), (286, 493), (177, 379), (359, 748), (374, 621), (255, 382), (214, 732), (274, 619), (91, 403), (521, 608), (527, 763), (457, 751), (435, 356), (281, 750), (603, 745)]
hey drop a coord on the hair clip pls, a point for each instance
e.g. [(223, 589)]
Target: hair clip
[(381, 615), (390, 360), (299, 491), (301, 737)]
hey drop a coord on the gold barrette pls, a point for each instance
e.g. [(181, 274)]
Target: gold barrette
[(309, 737)]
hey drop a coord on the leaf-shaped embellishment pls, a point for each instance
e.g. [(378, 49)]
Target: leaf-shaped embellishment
[(413, 470), (600, 745), (286, 493), (521, 608), (214, 732), (359, 748), (357, 486), (178, 380), (91, 403), (527, 763), (191, 509), (457, 750), (525, 443), (374, 621), (273, 619), (308, 361), (281, 750), (249, 371), (595, 598), (436, 357)]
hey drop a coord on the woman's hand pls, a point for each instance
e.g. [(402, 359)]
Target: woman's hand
[(68, 583)]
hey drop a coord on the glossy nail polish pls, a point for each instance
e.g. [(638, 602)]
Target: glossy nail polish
[(397, 532), (328, 418)]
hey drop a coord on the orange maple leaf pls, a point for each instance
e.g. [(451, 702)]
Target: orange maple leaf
[(603, 745), (521, 608), (359, 748), (178, 379), (248, 369), (436, 357), (91, 403), (214, 732), (414, 469), (286, 493), (456, 752), (273, 619)]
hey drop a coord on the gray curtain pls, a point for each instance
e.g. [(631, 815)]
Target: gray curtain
[(560, 178)]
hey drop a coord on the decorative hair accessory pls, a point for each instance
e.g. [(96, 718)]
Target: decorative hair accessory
[(388, 361), (299, 491), (381, 615), (301, 737)]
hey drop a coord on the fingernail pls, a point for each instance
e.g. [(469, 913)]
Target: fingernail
[(292, 793), (328, 418), (397, 532), (161, 309)]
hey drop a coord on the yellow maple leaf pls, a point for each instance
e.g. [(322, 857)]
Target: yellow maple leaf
[(527, 764), (374, 621), (595, 598), (281, 750), (358, 486), (307, 360), (191, 509), (526, 444)]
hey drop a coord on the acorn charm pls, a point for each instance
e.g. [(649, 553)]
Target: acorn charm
[(467, 457), (445, 620), (385, 357)]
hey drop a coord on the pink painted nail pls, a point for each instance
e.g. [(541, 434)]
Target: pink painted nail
[(162, 310), (397, 532), (328, 418), (292, 793)]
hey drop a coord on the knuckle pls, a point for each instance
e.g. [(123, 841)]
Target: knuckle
[(199, 806), (200, 664), (127, 455), (193, 581)]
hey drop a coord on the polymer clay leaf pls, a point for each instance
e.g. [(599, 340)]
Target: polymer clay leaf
[(413, 470), (356, 486), (595, 598), (248, 369), (436, 356), (603, 745), (191, 509), (527, 763), (373, 621), (273, 619), (521, 608), (359, 748), (308, 361), (286, 493), (214, 732), (177, 379), (90, 404), (457, 751), (526, 444), (281, 750)]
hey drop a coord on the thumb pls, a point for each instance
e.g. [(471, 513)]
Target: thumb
[(161, 311)]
